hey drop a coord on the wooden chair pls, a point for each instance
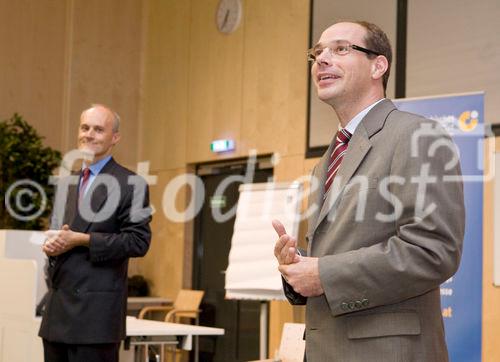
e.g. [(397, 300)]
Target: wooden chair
[(185, 308)]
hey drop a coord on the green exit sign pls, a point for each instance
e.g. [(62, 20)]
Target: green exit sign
[(222, 146)]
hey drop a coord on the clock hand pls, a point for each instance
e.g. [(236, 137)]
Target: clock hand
[(225, 18)]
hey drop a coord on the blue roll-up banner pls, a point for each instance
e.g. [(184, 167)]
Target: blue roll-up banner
[(461, 296)]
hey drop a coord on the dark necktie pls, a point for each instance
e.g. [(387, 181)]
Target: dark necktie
[(85, 181), (339, 150)]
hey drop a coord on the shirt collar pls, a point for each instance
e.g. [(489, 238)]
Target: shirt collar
[(354, 123), (95, 168)]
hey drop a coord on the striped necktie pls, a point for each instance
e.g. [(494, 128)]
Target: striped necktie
[(341, 143), (85, 180)]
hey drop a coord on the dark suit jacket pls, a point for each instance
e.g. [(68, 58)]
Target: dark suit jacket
[(87, 298), (381, 277)]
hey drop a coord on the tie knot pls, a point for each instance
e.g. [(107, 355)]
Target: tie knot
[(86, 172), (343, 136)]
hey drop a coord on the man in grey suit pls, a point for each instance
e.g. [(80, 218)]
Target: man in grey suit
[(386, 220), (105, 222)]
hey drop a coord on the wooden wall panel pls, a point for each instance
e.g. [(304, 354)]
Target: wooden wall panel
[(464, 57), (32, 60), (309, 165), (281, 312), (275, 76), (105, 62), (288, 168), (163, 264), (215, 83), (166, 84), (491, 294)]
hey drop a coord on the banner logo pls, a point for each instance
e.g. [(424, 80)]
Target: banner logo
[(468, 121)]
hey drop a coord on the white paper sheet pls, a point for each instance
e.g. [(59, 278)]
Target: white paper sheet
[(252, 271)]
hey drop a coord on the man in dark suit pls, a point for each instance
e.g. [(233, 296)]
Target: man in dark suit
[(386, 221), (105, 222)]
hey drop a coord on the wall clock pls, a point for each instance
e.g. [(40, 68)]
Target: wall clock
[(228, 16)]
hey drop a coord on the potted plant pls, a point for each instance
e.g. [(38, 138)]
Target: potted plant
[(25, 167)]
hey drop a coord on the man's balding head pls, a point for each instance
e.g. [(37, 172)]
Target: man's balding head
[(98, 131)]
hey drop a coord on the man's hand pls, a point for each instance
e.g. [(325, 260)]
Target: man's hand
[(285, 249), (302, 273), (64, 240), (51, 247), (303, 276)]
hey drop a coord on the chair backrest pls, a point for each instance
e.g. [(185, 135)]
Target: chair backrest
[(188, 300), (292, 346)]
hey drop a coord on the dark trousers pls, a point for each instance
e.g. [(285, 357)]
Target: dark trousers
[(61, 352)]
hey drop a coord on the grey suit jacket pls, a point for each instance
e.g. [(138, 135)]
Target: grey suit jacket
[(386, 236)]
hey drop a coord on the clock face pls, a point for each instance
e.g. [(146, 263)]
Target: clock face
[(228, 15)]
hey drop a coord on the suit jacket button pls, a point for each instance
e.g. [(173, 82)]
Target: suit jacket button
[(358, 304), (351, 305), (344, 306), (77, 291), (365, 303)]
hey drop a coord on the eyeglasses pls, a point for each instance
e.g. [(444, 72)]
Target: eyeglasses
[(340, 48)]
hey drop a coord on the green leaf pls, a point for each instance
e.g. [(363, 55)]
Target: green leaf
[(23, 156)]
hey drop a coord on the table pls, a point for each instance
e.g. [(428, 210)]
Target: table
[(143, 331)]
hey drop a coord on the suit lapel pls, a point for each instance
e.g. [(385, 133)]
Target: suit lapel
[(69, 202), (72, 204), (358, 149), (100, 193), (319, 174)]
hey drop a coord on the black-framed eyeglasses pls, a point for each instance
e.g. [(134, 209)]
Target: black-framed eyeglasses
[(339, 48)]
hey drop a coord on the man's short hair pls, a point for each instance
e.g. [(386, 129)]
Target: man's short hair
[(377, 40), (116, 122)]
